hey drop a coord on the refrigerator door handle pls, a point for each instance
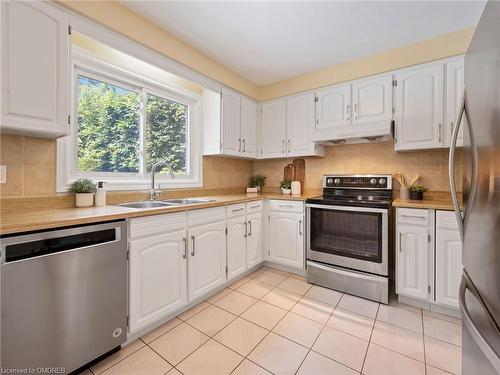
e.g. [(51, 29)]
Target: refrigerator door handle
[(451, 166), (477, 336)]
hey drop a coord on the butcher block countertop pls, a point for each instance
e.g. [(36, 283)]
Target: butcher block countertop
[(436, 203), (17, 221)]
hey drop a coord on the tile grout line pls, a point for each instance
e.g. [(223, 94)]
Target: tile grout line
[(423, 340), (370, 339)]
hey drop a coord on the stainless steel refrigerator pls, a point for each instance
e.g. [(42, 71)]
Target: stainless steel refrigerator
[(479, 221)]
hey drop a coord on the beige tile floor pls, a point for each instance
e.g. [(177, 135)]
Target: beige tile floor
[(272, 322)]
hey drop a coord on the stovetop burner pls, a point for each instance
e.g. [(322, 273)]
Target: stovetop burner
[(356, 190)]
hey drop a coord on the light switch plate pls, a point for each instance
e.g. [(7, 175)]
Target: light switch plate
[(3, 174)]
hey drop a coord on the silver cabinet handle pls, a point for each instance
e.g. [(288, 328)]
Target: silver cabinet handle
[(192, 251), (440, 132), (282, 146), (476, 334), (348, 114), (300, 227), (356, 111), (255, 206), (400, 243), (239, 147), (286, 205), (249, 227), (246, 230), (184, 239), (413, 216), (244, 145), (289, 145), (237, 209)]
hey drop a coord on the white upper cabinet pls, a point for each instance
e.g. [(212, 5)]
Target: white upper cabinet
[(448, 259), (35, 69), (454, 91), (248, 128), (420, 108), (372, 100), (274, 129), (300, 124), (231, 140), (333, 109)]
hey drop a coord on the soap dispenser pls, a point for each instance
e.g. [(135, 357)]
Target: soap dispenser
[(100, 194)]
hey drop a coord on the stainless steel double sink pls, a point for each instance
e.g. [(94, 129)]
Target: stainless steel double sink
[(165, 203)]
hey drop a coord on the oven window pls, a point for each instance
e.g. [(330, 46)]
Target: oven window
[(347, 233)]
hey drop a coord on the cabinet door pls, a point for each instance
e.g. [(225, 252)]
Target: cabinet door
[(254, 239), (236, 246), (207, 258), (300, 124), (273, 128), (412, 278), (454, 92), (448, 259), (157, 278), (35, 68), (286, 239), (231, 139), (372, 100), (333, 107), (248, 127), (419, 109)]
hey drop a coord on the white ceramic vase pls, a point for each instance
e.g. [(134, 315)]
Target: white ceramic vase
[(84, 200)]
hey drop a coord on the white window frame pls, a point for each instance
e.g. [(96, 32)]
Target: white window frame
[(94, 67)]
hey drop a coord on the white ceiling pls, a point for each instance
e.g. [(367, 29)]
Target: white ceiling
[(269, 41)]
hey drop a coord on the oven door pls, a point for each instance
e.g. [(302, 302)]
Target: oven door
[(351, 237)]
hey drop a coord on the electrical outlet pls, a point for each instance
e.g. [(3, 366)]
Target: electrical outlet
[(3, 174)]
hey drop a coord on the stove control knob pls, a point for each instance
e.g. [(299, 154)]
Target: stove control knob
[(373, 181), (329, 181), (381, 181), (337, 181)]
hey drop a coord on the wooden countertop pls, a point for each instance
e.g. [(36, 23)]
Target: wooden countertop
[(432, 203), (17, 221)]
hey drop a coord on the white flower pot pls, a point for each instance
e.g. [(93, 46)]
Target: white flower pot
[(85, 200), (286, 191)]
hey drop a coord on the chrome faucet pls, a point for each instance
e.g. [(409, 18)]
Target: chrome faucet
[(155, 193)]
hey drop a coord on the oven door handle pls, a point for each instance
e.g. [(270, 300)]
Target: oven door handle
[(348, 208)]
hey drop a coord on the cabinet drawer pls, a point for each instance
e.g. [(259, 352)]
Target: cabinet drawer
[(446, 220), (156, 224), (206, 215), (286, 205), (413, 216), (254, 206), (235, 210)]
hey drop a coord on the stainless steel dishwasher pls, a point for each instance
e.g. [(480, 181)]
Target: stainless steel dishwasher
[(63, 296)]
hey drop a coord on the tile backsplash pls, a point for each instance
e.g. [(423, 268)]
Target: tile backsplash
[(31, 166), (368, 158)]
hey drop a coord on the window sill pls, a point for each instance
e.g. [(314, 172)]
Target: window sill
[(140, 184)]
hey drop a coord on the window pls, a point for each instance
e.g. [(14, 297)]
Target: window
[(125, 124)]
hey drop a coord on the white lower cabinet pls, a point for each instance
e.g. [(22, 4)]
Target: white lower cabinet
[(286, 234), (413, 261), (448, 259), (254, 239), (428, 256), (236, 246), (207, 258), (157, 269)]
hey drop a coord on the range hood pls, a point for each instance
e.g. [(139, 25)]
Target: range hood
[(359, 133)]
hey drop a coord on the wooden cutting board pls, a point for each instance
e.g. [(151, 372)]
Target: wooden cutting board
[(289, 172), (300, 172)]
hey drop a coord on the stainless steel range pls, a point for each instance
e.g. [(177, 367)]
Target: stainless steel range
[(348, 235)]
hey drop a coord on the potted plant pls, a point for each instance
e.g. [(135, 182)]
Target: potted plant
[(84, 188), (417, 191), (256, 182), (286, 186)]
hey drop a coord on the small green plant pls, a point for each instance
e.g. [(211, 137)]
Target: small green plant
[(82, 186), (286, 184), (257, 180), (417, 188)]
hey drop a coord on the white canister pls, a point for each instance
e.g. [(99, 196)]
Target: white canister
[(100, 194), (295, 187)]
